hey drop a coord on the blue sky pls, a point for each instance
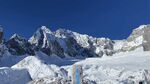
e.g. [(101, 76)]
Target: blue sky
[(114, 19)]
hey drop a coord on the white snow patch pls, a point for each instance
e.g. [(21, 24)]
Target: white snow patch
[(13, 76), (38, 69)]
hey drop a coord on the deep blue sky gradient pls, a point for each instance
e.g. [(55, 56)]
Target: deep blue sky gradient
[(114, 19)]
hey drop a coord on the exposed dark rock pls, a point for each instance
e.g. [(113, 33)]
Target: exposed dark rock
[(17, 45)]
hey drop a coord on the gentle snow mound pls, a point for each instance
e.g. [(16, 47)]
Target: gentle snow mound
[(38, 69)]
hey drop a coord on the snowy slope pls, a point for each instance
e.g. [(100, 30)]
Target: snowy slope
[(122, 68), (137, 38), (37, 69)]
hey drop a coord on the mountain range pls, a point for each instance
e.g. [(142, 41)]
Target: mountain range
[(65, 43), (47, 57)]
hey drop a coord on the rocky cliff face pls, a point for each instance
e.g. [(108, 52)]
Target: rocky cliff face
[(68, 43)]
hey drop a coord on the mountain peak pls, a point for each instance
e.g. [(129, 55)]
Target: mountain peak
[(16, 36), (44, 29), (41, 36), (63, 32), (142, 27)]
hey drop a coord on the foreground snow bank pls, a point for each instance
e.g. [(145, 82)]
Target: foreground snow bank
[(122, 68), (38, 69), (13, 76)]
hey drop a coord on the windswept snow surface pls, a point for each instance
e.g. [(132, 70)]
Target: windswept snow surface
[(122, 68)]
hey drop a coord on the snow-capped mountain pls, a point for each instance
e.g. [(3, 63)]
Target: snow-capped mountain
[(138, 38), (48, 57), (67, 43)]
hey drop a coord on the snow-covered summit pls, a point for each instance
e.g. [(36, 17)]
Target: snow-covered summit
[(137, 38), (40, 34), (44, 29), (142, 27), (63, 33), (17, 36)]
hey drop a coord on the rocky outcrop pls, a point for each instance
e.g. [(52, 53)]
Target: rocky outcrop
[(18, 45)]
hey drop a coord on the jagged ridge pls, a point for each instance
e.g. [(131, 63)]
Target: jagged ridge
[(68, 43)]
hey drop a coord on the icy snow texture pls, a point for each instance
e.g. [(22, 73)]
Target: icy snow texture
[(123, 68), (37, 69), (13, 76)]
